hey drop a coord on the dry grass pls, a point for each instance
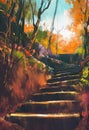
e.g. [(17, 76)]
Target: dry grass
[(23, 84)]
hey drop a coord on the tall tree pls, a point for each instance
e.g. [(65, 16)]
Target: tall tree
[(52, 26), (80, 14)]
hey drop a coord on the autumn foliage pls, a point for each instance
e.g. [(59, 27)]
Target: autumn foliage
[(3, 1), (79, 11), (28, 28), (18, 78), (80, 15)]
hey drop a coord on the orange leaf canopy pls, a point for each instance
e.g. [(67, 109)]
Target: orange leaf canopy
[(3, 1)]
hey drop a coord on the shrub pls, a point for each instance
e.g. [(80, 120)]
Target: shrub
[(18, 79)]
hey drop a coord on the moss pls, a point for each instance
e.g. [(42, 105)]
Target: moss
[(84, 82)]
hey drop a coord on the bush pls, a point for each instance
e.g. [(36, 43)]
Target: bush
[(18, 78), (84, 82)]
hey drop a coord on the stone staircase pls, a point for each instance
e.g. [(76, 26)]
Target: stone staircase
[(54, 107)]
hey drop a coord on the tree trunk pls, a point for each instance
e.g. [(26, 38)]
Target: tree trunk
[(34, 33), (86, 42), (52, 26)]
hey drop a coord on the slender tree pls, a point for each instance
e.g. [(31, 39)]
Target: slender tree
[(22, 14), (52, 26), (43, 7), (86, 17)]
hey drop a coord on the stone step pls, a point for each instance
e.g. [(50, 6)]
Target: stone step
[(65, 82), (59, 121), (66, 66), (57, 88), (60, 106), (62, 74), (62, 78), (47, 96), (72, 70)]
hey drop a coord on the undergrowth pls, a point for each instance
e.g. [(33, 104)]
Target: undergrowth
[(84, 82)]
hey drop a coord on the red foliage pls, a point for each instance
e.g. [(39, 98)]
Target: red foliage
[(84, 123), (27, 52), (85, 104), (20, 89), (3, 1), (13, 19), (86, 60)]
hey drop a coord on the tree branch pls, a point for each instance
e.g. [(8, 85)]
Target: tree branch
[(86, 9), (32, 12), (41, 9), (49, 1)]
